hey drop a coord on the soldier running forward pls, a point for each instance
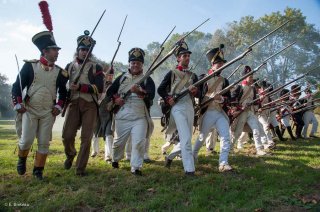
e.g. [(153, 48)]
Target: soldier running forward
[(296, 105), (133, 119), (104, 121), (309, 117), (243, 112), (215, 116), (182, 111), (43, 79), (283, 115), (82, 110)]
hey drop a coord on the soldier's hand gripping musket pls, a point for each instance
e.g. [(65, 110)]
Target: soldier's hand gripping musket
[(150, 70)]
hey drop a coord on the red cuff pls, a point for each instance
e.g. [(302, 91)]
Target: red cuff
[(115, 96), (167, 99), (19, 99), (60, 102), (84, 88)]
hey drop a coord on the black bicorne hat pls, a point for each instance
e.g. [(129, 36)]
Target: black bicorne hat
[(295, 87), (45, 40), (183, 48), (283, 92), (308, 90), (85, 41), (216, 55), (264, 84), (246, 70), (136, 54)]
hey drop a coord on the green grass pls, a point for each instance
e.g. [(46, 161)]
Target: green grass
[(272, 183)]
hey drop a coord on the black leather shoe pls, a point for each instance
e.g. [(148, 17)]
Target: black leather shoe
[(191, 174), (313, 136), (68, 162), (81, 173), (37, 172), (137, 172), (168, 163), (21, 166), (147, 160), (115, 165)]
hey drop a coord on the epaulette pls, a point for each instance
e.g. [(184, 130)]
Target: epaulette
[(63, 71), (31, 61)]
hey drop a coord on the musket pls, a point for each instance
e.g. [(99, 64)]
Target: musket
[(282, 97), (176, 46), (235, 70), (76, 80), (302, 109), (184, 92), (161, 50), (154, 67), (19, 74), (223, 91), (300, 77), (150, 70), (265, 63), (250, 73), (119, 42), (198, 62), (256, 82)]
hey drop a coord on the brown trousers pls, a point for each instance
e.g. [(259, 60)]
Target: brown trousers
[(80, 114)]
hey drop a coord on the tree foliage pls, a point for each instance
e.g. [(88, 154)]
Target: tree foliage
[(300, 58), (6, 110)]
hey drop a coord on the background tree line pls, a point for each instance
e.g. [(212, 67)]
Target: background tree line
[(236, 37)]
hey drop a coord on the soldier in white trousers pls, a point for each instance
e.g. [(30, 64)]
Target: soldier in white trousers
[(309, 117), (215, 116), (104, 122), (43, 79), (245, 114), (283, 114), (133, 119), (182, 111)]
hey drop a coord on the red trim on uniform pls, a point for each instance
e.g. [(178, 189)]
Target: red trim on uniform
[(84, 88), (99, 72), (44, 61), (115, 96), (167, 99), (244, 82), (180, 68), (19, 99), (60, 102)]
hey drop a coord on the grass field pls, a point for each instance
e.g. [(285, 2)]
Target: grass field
[(288, 180)]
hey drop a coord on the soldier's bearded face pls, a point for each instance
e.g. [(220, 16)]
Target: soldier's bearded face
[(135, 67)]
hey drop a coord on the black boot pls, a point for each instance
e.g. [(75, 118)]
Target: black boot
[(290, 133), (282, 131), (37, 172), (273, 131), (299, 131), (168, 163), (68, 162), (279, 134), (115, 165), (21, 166)]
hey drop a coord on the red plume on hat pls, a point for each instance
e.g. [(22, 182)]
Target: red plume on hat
[(44, 8)]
